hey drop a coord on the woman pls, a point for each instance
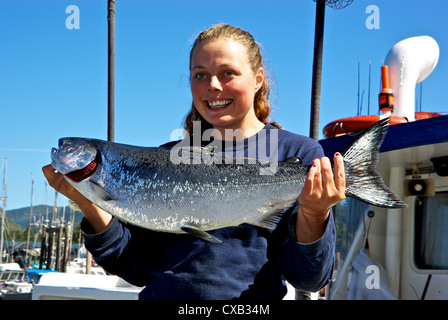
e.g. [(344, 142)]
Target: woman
[(230, 94)]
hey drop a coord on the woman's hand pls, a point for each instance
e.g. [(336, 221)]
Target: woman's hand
[(322, 190), (98, 218), (58, 182)]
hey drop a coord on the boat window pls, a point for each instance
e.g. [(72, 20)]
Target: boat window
[(14, 276), (348, 215), (431, 231)]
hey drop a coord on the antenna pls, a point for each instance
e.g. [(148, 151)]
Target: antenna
[(368, 99), (359, 86)]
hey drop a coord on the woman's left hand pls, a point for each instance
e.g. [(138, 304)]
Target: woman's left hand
[(322, 190)]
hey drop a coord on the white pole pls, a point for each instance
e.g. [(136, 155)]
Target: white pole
[(394, 232)]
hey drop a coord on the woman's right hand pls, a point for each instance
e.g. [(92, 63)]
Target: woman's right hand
[(58, 182), (97, 218)]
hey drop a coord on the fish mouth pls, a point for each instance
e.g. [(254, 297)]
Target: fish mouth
[(73, 155), (84, 173)]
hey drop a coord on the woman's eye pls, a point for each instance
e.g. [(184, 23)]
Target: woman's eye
[(199, 76), (229, 73)]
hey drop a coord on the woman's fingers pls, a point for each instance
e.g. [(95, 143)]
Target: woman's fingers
[(313, 174), (326, 177), (57, 181), (51, 175), (339, 174), (332, 180), (323, 188)]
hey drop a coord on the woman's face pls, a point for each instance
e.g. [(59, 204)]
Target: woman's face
[(223, 85)]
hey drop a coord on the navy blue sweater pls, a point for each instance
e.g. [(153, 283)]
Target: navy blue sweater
[(250, 263)]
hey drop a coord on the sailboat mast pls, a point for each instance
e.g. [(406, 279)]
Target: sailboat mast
[(4, 211), (29, 224)]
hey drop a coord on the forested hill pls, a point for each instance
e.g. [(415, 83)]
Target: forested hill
[(22, 216)]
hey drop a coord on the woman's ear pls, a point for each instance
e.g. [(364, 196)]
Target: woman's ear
[(259, 79)]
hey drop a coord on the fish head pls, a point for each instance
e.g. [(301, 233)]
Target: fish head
[(73, 154)]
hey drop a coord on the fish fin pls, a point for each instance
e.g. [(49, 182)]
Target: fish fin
[(293, 160), (100, 192), (363, 182), (200, 234), (270, 221), (273, 217)]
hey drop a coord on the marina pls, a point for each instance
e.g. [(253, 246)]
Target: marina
[(381, 253)]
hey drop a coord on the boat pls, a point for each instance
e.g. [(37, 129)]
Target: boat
[(14, 282), (388, 254), (75, 286)]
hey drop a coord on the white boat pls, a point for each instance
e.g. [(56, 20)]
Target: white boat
[(14, 282), (75, 286), (399, 253)]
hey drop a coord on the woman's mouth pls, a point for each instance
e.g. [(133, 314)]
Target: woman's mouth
[(217, 104)]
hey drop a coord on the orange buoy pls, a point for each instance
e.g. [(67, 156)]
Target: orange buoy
[(420, 115), (354, 124)]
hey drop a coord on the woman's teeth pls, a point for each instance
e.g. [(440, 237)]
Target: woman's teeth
[(219, 104)]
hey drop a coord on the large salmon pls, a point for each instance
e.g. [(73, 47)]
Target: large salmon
[(145, 187)]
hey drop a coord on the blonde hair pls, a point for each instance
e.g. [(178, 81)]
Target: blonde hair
[(261, 100)]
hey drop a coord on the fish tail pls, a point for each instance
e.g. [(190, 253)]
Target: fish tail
[(362, 181)]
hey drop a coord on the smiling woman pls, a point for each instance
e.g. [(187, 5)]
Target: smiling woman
[(228, 81), (223, 85), (230, 93)]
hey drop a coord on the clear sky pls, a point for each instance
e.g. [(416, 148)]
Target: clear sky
[(53, 79)]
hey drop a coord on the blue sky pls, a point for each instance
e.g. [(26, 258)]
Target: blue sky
[(53, 80)]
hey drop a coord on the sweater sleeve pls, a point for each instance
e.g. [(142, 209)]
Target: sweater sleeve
[(124, 250), (309, 267)]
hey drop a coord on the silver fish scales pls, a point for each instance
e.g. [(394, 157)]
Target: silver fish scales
[(196, 190)]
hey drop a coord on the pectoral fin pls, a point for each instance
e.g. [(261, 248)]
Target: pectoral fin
[(294, 160), (100, 192), (200, 234)]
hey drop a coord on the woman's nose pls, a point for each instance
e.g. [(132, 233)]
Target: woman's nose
[(215, 84)]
